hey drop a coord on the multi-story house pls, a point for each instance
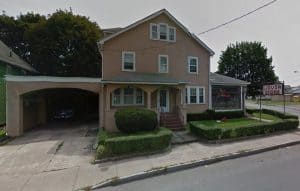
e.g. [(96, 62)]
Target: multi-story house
[(154, 63)]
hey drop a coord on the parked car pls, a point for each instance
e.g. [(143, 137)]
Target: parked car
[(64, 113)]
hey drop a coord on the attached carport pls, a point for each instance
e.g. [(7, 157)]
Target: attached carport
[(19, 88)]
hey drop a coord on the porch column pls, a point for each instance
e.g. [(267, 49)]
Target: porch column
[(14, 113), (107, 99), (101, 107), (183, 94), (149, 99)]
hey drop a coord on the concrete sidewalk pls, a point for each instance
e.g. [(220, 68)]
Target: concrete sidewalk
[(130, 169), (69, 167)]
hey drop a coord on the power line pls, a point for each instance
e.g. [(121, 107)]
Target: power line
[(237, 18)]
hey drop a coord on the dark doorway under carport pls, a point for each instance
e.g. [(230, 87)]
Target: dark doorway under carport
[(59, 105)]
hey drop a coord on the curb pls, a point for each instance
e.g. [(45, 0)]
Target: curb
[(183, 166)]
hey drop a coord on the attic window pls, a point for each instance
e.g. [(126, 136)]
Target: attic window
[(162, 31)]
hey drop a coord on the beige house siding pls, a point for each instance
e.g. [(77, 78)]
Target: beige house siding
[(147, 51)]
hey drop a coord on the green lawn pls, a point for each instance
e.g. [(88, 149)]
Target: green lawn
[(230, 123), (266, 116)]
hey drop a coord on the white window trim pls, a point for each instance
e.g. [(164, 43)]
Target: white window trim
[(122, 98), (166, 56), (197, 64), (174, 34), (151, 37), (123, 60), (197, 95), (167, 31)]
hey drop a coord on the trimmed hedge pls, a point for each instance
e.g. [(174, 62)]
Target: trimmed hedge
[(215, 133), (213, 115), (272, 112), (130, 120), (114, 144)]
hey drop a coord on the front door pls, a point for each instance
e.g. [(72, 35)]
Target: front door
[(163, 100)]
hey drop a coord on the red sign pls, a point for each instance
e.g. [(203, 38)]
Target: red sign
[(273, 89)]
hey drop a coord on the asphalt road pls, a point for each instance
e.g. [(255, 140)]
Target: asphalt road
[(292, 109), (277, 170)]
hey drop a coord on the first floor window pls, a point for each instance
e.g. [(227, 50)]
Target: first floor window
[(128, 61), (139, 96), (195, 95), (201, 95), (117, 97), (127, 96)]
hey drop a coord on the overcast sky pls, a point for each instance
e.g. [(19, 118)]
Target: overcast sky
[(276, 26)]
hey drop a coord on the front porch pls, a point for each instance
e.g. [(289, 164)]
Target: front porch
[(166, 100)]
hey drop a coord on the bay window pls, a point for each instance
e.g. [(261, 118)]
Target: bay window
[(127, 96)]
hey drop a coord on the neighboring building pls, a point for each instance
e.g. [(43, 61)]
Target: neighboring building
[(291, 94), (12, 64), (154, 63)]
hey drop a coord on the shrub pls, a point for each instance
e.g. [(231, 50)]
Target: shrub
[(131, 120), (214, 133), (2, 134), (120, 143), (211, 114)]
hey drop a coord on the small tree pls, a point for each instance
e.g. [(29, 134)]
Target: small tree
[(247, 61)]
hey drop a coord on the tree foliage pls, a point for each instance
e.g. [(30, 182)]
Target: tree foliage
[(248, 61), (60, 44)]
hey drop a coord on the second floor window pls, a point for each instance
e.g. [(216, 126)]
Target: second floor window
[(193, 65), (128, 61), (163, 62)]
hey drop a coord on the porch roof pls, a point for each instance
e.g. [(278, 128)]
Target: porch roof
[(144, 78), (218, 79)]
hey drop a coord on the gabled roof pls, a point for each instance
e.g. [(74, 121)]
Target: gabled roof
[(156, 14), (9, 57), (218, 79)]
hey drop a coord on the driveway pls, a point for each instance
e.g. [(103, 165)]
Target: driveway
[(51, 158)]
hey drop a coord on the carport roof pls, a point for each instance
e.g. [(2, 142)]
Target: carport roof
[(12, 78)]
